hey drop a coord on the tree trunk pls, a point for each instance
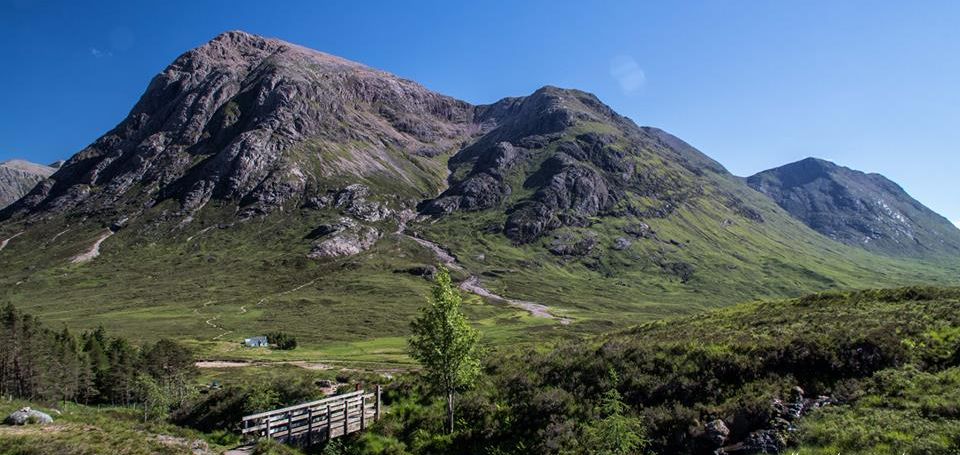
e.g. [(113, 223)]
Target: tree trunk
[(450, 411)]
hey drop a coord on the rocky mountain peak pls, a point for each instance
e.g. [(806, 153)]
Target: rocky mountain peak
[(867, 210), (259, 122)]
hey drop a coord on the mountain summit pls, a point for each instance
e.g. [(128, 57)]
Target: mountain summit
[(866, 210), (261, 122)]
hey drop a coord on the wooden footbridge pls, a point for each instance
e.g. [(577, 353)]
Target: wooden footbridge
[(316, 421)]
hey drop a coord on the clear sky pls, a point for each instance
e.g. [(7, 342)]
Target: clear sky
[(754, 84)]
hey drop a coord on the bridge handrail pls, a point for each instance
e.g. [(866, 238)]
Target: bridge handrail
[(333, 399), (300, 420)]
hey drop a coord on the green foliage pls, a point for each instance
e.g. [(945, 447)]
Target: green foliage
[(155, 400), (223, 409), (282, 340), (444, 343), (272, 447), (614, 433), (39, 364), (729, 364), (904, 410)]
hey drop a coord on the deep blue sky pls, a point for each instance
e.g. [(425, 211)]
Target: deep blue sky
[(871, 85)]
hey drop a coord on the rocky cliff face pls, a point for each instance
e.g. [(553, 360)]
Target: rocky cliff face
[(852, 207), (18, 177), (558, 157)]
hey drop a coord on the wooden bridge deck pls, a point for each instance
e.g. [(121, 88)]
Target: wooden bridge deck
[(317, 421)]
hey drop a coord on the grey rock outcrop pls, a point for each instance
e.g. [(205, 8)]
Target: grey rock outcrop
[(569, 172), (717, 432), (344, 238), (26, 416)]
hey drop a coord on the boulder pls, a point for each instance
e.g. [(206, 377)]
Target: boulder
[(423, 271), (568, 244), (26, 416), (346, 237), (346, 243), (717, 432), (621, 243), (764, 441), (354, 200)]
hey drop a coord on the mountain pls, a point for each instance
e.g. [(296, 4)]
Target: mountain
[(259, 185), (866, 210), (261, 122), (18, 177)]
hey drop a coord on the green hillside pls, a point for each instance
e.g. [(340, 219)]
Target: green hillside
[(217, 286)]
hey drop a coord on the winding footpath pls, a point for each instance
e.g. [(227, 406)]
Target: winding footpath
[(4, 243), (473, 284), (94, 250)]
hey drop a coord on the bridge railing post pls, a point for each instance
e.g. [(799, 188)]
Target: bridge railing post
[(376, 412), (309, 426), (363, 412)]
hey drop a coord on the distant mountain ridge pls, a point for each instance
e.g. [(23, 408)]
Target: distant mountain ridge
[(18, 177), (865, 210)]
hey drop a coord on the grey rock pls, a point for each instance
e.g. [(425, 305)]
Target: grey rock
[(344, 238), (639, 230), (353, 199), (27, 416), (621, 243), (573, 245), (717, 432)]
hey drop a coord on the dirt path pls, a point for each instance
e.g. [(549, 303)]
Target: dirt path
[(94, 250), (198, 234), (241, 450), (4, 243), (314, 365), (212, 322), (54, 238), (473, 284)]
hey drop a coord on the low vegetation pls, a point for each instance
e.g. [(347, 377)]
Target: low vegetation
[(882, 367), (884, 362)]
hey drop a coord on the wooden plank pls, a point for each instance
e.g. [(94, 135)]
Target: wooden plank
[(363, 412), (350, 406), (340, 415), (305, 405)]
